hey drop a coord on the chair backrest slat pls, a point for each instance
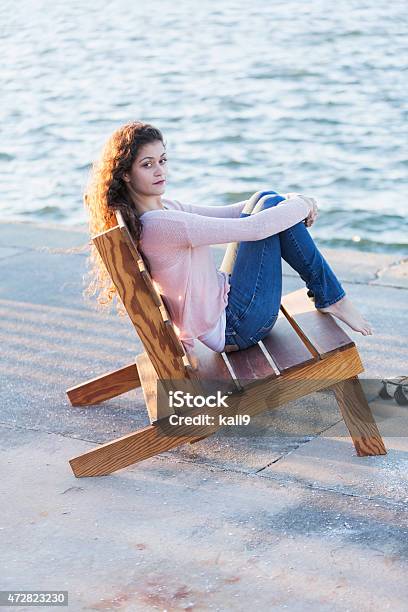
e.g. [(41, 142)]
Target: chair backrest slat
[(142, 302)]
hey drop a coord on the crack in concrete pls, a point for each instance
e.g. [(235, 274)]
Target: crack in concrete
[(305, 441), (21, 251), (291, 480), (44, 249), (213, 468), (370, 283), (383, 269), (79, 250), (53, 433), (309, 485)]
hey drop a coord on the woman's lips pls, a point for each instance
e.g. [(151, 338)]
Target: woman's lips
[(160, 182)]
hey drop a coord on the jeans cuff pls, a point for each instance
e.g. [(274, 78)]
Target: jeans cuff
[(326, 304)]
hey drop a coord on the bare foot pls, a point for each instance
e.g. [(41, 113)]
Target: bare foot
[(348, 313)]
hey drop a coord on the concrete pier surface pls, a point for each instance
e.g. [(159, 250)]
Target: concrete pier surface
[(279, 516)]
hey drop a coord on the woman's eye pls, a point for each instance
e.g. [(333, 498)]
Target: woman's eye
[(147, 164)]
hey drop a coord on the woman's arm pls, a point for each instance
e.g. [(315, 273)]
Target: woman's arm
[(178, 228), (229, 211)]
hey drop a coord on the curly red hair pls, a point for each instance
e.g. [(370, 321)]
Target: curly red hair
[(106, 192)]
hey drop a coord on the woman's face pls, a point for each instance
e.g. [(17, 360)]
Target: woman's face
[(147, 175)]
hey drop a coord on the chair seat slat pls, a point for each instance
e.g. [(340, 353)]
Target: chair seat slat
[(285, 346), (320, 332), (250, 365)]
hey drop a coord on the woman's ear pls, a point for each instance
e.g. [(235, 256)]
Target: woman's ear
[(126, 177)]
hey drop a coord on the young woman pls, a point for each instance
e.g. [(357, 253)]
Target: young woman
[(226, 311)]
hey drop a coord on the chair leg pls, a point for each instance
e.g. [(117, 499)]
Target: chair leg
[(105, 387), (131, 448), (358, 417)]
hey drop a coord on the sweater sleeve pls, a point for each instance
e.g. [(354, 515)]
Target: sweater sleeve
[(229, 211), (182, 229)]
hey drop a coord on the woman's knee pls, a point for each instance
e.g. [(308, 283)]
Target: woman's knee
[(261, 200), (268, 200)]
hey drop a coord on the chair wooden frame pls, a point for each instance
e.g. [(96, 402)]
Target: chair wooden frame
[(305, 352)]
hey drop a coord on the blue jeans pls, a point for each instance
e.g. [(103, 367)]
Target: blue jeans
[(256, 280)]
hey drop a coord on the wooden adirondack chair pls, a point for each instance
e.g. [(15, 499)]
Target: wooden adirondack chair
[(306, 351)]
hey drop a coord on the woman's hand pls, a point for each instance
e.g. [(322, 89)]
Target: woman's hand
[(312, 216), (313, 208)]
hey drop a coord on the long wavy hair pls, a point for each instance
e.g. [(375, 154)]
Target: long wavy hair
[(106, 192)]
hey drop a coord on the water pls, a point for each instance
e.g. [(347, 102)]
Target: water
[(290, 96)]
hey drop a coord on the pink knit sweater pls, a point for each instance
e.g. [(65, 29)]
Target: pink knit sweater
[(176, 242)]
